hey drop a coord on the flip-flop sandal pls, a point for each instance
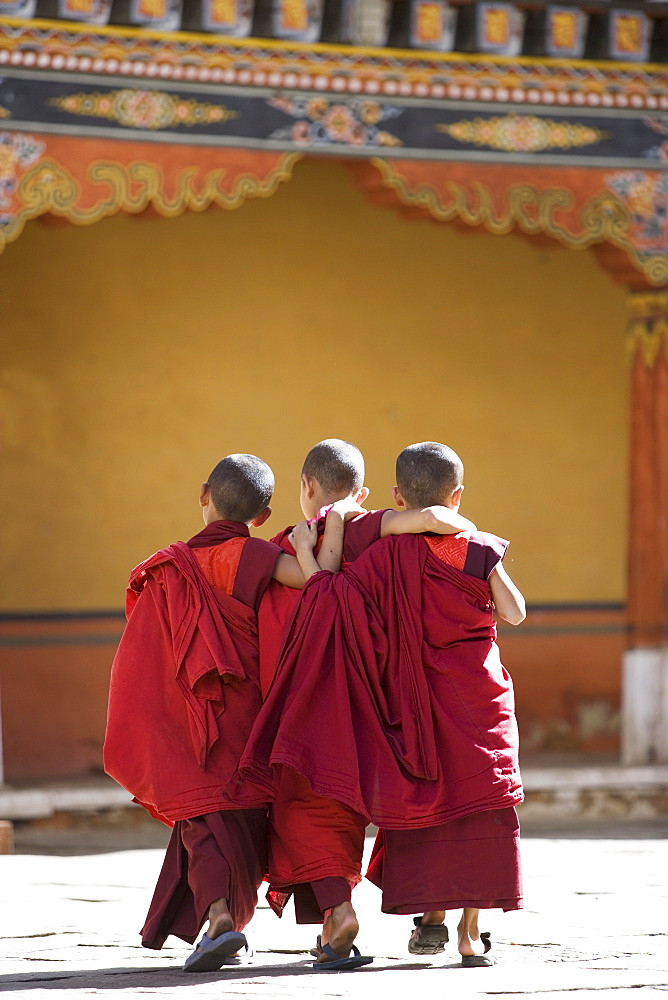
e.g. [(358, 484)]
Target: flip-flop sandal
[(427, 939), (317, 951), (480, 961), (338, 964), (214, 952)]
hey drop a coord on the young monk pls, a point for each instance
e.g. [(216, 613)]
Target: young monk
[(316, 844), (424, 741), (184, 694)]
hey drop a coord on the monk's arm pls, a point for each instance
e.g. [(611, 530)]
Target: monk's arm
[(331, 548), (438, 520), (288, 572), (294, 572), (508, 600)]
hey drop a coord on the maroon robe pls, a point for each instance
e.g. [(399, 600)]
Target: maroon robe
[(279, 602), (315, 843), (183, 697), (401, 708), (473, 861)]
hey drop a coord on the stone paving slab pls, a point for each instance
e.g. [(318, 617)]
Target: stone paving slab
[(594, 925)]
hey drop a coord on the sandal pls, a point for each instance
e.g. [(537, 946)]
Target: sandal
[(427, 939), (339, 964), (212, 953), (317, 951), (479, 961)]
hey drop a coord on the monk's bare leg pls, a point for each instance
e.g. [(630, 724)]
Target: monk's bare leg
[(468, 935), (433, 917), (339, 930), (220, 919)]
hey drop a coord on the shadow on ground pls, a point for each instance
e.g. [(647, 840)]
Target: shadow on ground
[(156, 977)]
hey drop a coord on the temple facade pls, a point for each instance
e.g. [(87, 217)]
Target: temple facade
[(216, 242)]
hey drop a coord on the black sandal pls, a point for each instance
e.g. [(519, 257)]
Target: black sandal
[(427, 939)]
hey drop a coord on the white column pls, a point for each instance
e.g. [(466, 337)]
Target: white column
[(645, 706)]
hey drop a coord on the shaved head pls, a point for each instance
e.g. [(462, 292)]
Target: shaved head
[(241, 486), (337, 465), (428, 473)]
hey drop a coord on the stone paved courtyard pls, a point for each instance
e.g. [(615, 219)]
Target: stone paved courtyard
[(595, 924)]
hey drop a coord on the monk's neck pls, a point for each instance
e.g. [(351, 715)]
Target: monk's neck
[(327, 501), (450, 506)]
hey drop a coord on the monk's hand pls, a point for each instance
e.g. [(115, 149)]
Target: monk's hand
[(347, 508), (304, 536)]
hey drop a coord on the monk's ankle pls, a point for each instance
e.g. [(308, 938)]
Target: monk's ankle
[(340, 929), (220, 919), (432, 917), (468, 935)]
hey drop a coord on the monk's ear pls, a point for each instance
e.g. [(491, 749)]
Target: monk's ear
[(307, 486), (456, 497), (204, 495), (362, 495), (397, 497), (261, 518)]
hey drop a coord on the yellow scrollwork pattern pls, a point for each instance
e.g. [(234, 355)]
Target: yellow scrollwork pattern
[(50, 188), (47, 187), (603, 219)]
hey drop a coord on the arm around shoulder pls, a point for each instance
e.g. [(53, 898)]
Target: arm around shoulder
[(437, 519), (294, 571), (288, 572)]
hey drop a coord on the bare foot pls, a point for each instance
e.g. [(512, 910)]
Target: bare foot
[(468, 935), (433, 917), (339, 931), (220, 919)]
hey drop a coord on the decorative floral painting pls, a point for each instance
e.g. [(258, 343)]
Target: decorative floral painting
[(323, 122), (645, 195), (17, 151)]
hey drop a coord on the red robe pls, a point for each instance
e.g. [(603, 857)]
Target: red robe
[(184, 689), (401, 708), (191, 647), (473, 861)]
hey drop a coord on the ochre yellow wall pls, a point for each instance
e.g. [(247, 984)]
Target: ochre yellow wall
[(136, 353)]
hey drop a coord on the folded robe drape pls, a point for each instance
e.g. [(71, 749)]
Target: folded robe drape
[(390, 695), (185, 686)]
